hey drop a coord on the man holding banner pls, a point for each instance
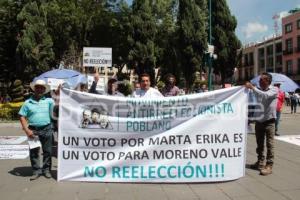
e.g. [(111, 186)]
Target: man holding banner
[(265, 122)]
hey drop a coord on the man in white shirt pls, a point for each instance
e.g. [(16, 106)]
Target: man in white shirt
[(146, 91), (266, 96)]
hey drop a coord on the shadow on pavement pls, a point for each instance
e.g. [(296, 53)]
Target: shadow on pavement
[(27, 172), (21, 171), (248, 166), (54, 151), (54, 174)]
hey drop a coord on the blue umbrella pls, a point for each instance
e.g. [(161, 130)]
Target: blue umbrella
[(286, 84), (71, 77)]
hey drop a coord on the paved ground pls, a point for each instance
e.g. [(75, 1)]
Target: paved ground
[(283, 184)]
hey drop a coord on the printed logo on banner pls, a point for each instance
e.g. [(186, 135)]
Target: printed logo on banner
[(95, 118)]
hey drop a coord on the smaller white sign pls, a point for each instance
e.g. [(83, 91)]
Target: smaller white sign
[(293, 139), (14, 152), (34, 142), (12, 139), (95, 57), (54, 83)]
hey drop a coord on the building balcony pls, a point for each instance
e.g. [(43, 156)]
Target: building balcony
[(297, 49), (287, 52)]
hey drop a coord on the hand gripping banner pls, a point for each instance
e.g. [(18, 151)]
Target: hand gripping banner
[(192, 138)]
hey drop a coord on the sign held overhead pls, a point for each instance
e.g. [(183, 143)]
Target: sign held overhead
[(97, 57)]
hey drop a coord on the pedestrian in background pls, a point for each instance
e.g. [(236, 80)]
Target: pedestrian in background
[(294, 102), (170, 88), (266, 95), (112, 88), (287, 99), (280, 101)]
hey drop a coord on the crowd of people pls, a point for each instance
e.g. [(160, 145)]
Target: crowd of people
[(142, 88), (36, 113)]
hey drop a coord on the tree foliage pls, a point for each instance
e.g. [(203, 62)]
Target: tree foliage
[(192, 37), (169, 34), (35, 44), (167, 49), (224, 39), (8, 38), (142, 36)]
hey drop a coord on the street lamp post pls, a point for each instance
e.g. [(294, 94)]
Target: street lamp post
[(209, 55)]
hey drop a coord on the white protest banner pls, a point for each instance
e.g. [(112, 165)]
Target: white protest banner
[(192, 138), (14, 151), (12, 139), (95, 57)]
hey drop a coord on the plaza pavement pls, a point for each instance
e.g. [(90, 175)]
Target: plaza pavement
[(283, 184)]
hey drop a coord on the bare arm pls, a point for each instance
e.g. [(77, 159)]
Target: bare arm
[(24, 124)]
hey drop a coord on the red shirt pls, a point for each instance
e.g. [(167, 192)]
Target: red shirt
[(280, 100)]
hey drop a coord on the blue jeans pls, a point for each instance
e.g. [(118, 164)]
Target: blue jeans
[(45, 136), (278, 114)]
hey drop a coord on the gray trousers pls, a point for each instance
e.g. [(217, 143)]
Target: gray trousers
[(45, 135), (265, 130)]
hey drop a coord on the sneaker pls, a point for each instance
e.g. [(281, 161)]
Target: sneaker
[(257, 166), (277, 134), (35, 176), (266, 170), (47, 174)]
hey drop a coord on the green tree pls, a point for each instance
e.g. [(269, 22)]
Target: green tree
[(192, 37), (72, 24), (35, 44), (8, 38), (111, 29), (142, 38), (165, 12), (224, 39), (17, 91)]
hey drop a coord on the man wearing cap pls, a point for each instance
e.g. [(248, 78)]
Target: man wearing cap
[(35, 117), (266, 96)]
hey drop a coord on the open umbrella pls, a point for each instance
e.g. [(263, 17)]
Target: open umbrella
[(287, 84), (59, 76)]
